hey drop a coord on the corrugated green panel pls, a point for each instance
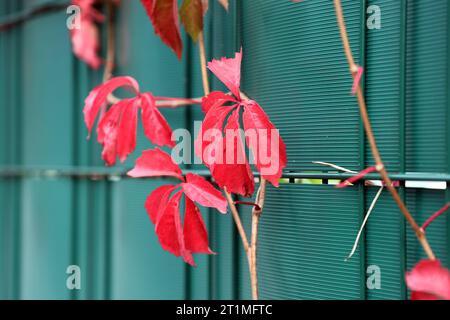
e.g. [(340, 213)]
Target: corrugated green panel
[(294, 66), (384, 246), (382, 66), (306, 231), (141, 269), (47, 91), (427, 96), (143, 56), (422, 204), (46, 239)]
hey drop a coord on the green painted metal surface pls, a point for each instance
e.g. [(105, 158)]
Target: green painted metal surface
[(295, 67)]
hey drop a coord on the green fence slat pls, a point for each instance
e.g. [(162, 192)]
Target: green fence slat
[(295, 68), (426, 85), (141, 269)]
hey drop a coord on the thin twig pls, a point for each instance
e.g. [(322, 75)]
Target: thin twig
[(237, 221), (256, 214), (371, 138), (366, 218), (435, 215)]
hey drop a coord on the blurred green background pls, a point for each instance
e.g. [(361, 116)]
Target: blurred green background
[(60, 206)]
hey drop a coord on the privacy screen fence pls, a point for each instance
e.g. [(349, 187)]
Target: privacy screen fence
[(59, 205)]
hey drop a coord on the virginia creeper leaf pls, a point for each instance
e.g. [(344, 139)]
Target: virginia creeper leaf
[(97, 97), (156, 202), (195, 234), (170, 231), (268, 148), (202, 192), (156, 128), (428, 280), (215, 98), (234, 172), (164, 17), (155, 163), (126, 135), (228, 70)]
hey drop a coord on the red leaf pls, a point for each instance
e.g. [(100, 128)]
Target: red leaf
[(228, 70), (155, 163), (195, 234), (215, 99), (234, 172), (191, 13), (265, 142), (97, 97), (156, 128), (202, 192), (86, 39), (428, 280), (126, 138), (170, 231), (164, 17), (107, 131), (117, 131), (211, 133), (156, 202)]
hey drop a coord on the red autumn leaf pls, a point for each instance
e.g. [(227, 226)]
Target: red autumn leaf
[(191, 14), (195, 234), (157, 201), (117, 131), (212, 126), (262, 138), (86, 39), (156, 127), (155, 163), (228, 70), (235, 174), (98, 97), (269, 145), (164, 17), (170, 231), (202, 192), (215, 98), (428, 280)]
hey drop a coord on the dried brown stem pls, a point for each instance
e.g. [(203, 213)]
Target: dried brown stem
[(371, 138)]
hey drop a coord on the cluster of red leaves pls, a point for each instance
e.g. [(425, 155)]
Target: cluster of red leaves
[(116, 129), (237, 176), (164, 17), (164, 211), (428, 280)]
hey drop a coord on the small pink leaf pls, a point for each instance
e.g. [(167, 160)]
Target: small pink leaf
[(429, 280), (202, 192), (155, 163), (357, 80), (228, 70), (356, 177)]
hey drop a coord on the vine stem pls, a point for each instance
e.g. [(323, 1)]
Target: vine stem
[(250, 249), (371, 138)]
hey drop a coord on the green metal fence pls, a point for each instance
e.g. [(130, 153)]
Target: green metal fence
[(61, 207)]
